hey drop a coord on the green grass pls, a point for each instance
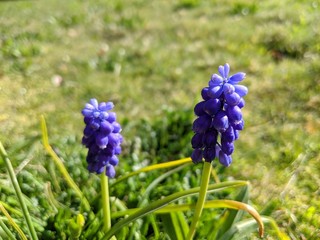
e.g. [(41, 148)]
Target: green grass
[(152, 58)]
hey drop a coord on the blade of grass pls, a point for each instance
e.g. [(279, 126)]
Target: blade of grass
[(183, 224), (152, 185), (209, 204), (155, 227), (6, 230), (215, 175), (174, 208), (171, 226), (155, 182), (60, 164), (12, 223), (242, 206), (248, 226), (144, 200), (165, 201), (18, 192), (281, 235), (153, 167), (11, 209)]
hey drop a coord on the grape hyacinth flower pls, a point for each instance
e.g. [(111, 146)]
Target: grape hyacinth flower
[(102, 137), (219, 117)]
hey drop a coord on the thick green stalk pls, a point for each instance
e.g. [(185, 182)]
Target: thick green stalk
[(17, 189), (105, 202), (201, 199)]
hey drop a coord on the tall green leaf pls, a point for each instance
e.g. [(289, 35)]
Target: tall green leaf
[(175, 225)]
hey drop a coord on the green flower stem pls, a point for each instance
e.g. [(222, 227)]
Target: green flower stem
[(105, 202), (17, 189), (60, 164), (165, 201), (201, 199)]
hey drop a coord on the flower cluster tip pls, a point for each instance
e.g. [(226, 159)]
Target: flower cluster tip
[(102, 137), (219, 117)]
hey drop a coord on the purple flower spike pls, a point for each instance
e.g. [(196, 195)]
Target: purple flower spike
[(228, 135), (215, 92), (232, 99), (110, 172), (210, 138), (224, 159), (219, 117), (196, 155), (101, 137), (202, 124), (212, 106), (227, 147), (234, 113), (241, 90), (114, 160), (241, 103), (204, 93), (221, 121), (197, 140), (236, 78), (199, 109), (226, 70), (94, 102), (209, 154), (215, 80)]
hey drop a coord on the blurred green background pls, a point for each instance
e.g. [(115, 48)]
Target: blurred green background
[(152, 58)]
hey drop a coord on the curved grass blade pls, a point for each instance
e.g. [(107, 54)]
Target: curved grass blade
[(60, 164), (144, 200), (281, 235), (171, 208), (11, 209), (154, 167), (12, 223), (18, 192), (242, 206), (165, 201), (174, 232), (155, 182), (6, 230), (245, 227), (210, 204)]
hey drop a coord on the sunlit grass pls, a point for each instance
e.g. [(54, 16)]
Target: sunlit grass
[(149, 57)]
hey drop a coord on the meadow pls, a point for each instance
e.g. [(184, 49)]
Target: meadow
[(152, 58)]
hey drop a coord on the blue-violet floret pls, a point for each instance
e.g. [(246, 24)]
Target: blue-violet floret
[(219, 117), (102, 137)]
